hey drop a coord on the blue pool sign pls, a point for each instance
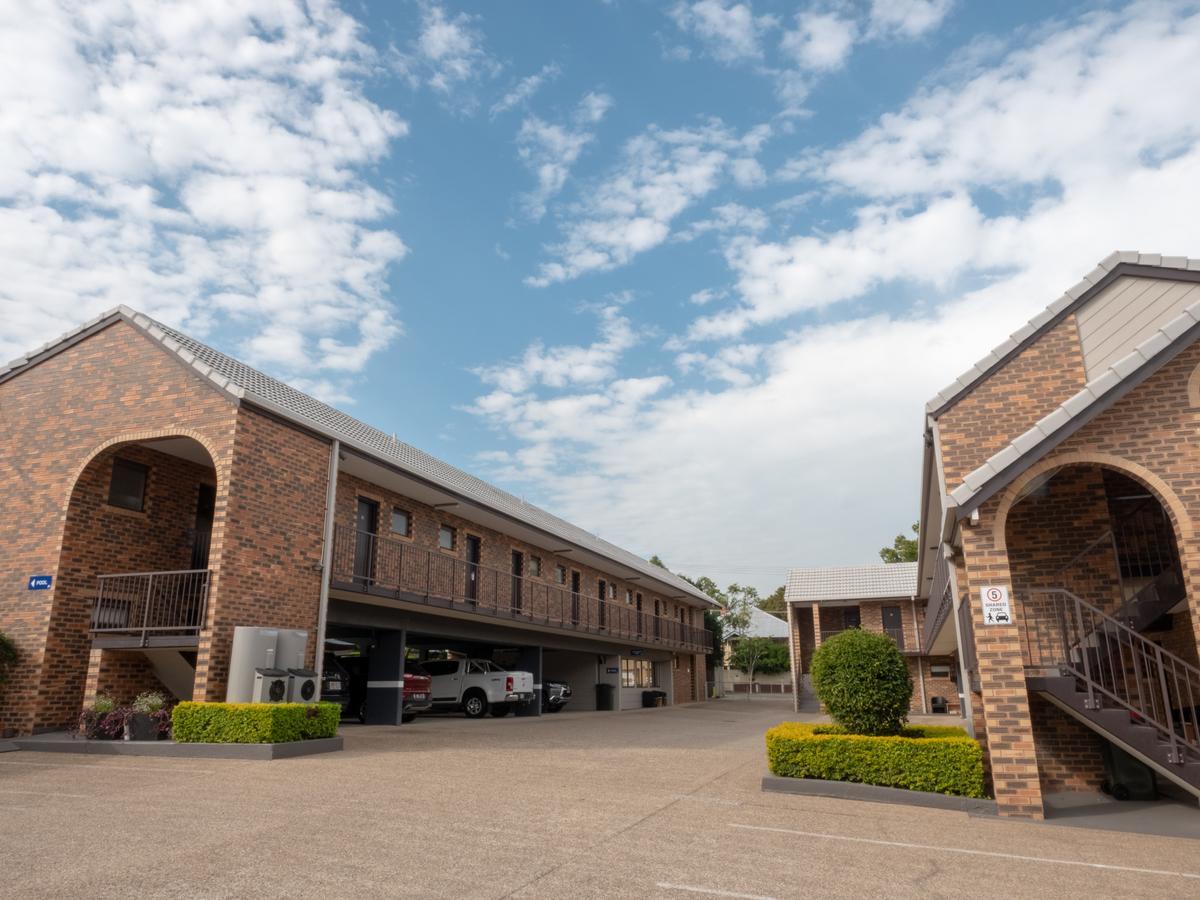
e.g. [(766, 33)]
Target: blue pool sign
[(613, 670), (40, 582)]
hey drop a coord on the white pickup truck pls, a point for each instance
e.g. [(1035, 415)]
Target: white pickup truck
[(476, 686)]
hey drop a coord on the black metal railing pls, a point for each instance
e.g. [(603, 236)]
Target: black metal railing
[(896, 633), (381, 565), (151, 605), (1116, 666)]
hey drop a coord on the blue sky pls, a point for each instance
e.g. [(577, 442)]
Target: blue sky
[(682, 272)]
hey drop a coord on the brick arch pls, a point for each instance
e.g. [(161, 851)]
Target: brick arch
[(153, 434), (1181, 522)]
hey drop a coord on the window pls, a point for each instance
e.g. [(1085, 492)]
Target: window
[(628, 597), (612, 592), (127, 489), (939, 671), (401, 522), (560, 574), (535, 567), (637, 673), (446, 537)]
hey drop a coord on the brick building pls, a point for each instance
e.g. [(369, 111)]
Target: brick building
[(157, 493), (1058, 555), (881, 598)]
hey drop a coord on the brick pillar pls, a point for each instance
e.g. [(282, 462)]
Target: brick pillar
[(794, 644), (1005, 700)]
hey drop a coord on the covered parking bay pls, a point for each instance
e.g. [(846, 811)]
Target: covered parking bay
[(386, 632)]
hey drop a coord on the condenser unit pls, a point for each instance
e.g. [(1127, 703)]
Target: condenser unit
[(302, 686), (270, 686)]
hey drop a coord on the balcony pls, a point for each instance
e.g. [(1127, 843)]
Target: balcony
[(401, 570), (150, 609)]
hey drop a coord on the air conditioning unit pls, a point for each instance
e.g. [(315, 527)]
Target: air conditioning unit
[(270, 686), (302, 686)]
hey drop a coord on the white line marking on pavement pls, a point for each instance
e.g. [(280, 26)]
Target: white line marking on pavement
[(48, 794), (48, 765), (715, 893), (992, 853)]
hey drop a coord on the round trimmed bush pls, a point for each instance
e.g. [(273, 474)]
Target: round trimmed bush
[(863, 681)]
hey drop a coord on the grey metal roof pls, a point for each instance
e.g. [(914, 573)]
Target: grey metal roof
[(1030, 330), (242, 382), (763, 624), (883, 580)]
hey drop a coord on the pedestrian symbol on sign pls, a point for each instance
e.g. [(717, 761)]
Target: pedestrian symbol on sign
[(994, 602)]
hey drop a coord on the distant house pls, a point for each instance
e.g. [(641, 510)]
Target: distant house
[(762, 624), (881, 598)]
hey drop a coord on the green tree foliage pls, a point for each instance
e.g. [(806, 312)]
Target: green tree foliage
[(903, 549), (655, 560), (760, 656), (863, 681), (773, 603)]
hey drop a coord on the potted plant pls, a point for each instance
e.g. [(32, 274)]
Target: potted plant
[(148, 719), (103, 720)]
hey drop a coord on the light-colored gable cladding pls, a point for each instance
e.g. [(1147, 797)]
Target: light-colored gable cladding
[(1125, 314), (875, 582)]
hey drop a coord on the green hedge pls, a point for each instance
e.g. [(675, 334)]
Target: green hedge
[(937, 758), (253, 723)]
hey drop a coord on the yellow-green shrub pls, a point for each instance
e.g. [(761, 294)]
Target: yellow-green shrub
[(937, 758), (253, 723)]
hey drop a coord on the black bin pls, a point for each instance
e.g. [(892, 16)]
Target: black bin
[(605, 693), (1127, 778), (938, 705)]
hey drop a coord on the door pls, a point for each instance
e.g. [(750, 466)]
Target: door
[(892, 626), (574, 598), (366, 525), (518, 572), (206, 505), (639, 615), (603, 610), (473, 554), (657, 611)]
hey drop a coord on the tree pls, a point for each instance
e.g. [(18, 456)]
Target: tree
[(773, 603), (862, 679), (656, 561), (903, 549), (759, 655)]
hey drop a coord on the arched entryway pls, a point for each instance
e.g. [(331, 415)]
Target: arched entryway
[(1098, 559), (133, 575)]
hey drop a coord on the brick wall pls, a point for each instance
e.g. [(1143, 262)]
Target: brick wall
[(1068, 754), (121, 675), (115, 384)]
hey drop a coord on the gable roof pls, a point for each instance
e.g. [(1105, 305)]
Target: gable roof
[(880, 581), (763, 624), (1097, 395), (1113, 266), (243, 383)]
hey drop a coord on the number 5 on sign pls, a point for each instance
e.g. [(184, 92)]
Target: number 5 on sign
[(994, 601)]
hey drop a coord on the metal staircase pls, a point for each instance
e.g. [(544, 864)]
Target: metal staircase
[(1115, 681)]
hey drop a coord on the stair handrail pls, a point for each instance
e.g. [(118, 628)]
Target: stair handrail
[(1155, 671)]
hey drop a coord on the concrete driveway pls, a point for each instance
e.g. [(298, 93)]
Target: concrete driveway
[(655, 803)]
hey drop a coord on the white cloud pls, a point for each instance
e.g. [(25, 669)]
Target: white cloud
[(662, 173), (805, 448), (730, 32), (447, 56), (727, 218), (820, 42), (524, 89), (907, 18), (203, 164), (550, 150)]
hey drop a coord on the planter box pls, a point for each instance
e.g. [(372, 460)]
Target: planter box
[(63, 742)]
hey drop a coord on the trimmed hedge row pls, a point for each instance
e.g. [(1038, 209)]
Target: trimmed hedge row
[(936, 758), (253, 723)]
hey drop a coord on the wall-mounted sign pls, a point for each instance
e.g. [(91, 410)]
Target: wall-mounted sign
[(613, 670), (994, 602), (40, 582), (637, 651)]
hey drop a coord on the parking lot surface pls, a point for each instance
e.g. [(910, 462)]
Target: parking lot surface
[(654, 803)]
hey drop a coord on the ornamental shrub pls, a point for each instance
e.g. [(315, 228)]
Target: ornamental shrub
[(937, 758), (863, 681), (253, 723)]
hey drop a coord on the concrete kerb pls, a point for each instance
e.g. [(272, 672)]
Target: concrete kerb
[(848, 790), (62, 742)]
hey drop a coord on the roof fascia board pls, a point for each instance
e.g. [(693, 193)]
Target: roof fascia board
[(1002, 479), (1123, 269)]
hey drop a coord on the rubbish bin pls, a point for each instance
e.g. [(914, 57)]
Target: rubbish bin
[(654, 698), (937, 704), (605, 694), (1125, 777)]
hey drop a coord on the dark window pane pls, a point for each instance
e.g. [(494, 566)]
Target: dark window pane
[(128, 487), (446, 537), (401, 522)]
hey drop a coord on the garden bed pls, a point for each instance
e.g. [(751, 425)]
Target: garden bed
[(65, 742), (935, 759)]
